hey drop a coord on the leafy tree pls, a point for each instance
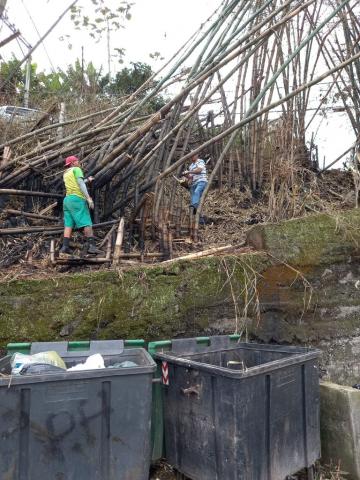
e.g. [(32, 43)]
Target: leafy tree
[(50, 84), (82, 82), (129, 79), (104, 21), (104, 18), (81, 79), (78, 80), (11, 77)]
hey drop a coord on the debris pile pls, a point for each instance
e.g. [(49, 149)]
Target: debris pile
[(242, 105)]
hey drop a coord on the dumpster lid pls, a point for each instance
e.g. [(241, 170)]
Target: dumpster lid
[(191, 345), (104, 347)]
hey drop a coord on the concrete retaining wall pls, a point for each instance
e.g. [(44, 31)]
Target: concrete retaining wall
[(340, 427)]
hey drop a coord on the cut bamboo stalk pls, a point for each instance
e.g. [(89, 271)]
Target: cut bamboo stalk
[(23, 230), (108, 248), (11, 191), (48, 208), (118, 242), (107, 236), (66, 261), (29, 257), (46, 229), (79, 261), (204, 253), (10, 211), (52, 251)]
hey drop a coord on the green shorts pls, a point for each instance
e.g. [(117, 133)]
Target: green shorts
[(76, 212)]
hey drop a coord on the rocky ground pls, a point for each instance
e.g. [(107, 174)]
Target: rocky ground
[(165, 472)]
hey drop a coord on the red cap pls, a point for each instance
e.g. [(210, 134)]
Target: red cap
[(70, 160)]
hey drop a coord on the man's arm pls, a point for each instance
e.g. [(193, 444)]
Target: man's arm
[(81, 182), (200, 167), (84, 190), (196, 171), (82, 186)]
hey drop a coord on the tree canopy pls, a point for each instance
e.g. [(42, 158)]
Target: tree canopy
[(80, 80)]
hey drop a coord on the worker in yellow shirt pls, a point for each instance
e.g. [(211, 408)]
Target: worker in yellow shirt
[(76, 206)]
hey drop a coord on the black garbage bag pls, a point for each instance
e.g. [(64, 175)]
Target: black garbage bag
[(40, 368)]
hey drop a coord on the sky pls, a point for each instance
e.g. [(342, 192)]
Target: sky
[(156, 26)]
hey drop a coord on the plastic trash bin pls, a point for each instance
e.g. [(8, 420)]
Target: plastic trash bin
[(80, 425), (240, 411), (157, 417)]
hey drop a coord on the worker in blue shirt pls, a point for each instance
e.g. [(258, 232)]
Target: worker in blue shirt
[(197, 179)]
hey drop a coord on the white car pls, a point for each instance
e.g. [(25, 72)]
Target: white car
[(10, 112)]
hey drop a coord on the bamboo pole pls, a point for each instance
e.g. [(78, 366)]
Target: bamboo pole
[(10, 211), (30, 193), (108, 248), (118, 242), (262, 46), (253, 116), (76, 261), (47, 229), (204, 253), (52, 252)]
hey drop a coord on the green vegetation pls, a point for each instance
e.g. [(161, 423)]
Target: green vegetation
[(148, 302), (82, 81)]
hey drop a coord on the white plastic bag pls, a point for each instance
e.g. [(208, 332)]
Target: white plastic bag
[(93, 362), (19, 360)]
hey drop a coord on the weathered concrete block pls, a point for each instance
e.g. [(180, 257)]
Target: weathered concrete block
[(340, 427), (340, 360), (313, 240)]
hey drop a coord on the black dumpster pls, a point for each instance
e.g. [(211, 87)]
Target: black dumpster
[(240, 411), (79, 425)]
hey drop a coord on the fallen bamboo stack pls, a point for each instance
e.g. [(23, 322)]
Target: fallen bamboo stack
[(136, 154)]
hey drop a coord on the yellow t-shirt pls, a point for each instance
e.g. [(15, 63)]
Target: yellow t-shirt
[(70, 179)]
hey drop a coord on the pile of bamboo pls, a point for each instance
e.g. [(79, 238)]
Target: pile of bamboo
[(243, 103)]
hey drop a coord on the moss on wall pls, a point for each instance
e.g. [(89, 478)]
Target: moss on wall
[(149, 302), (313, 240), (306, 290)]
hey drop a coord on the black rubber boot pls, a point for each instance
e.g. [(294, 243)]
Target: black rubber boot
[(65, 249), (92, 249)]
